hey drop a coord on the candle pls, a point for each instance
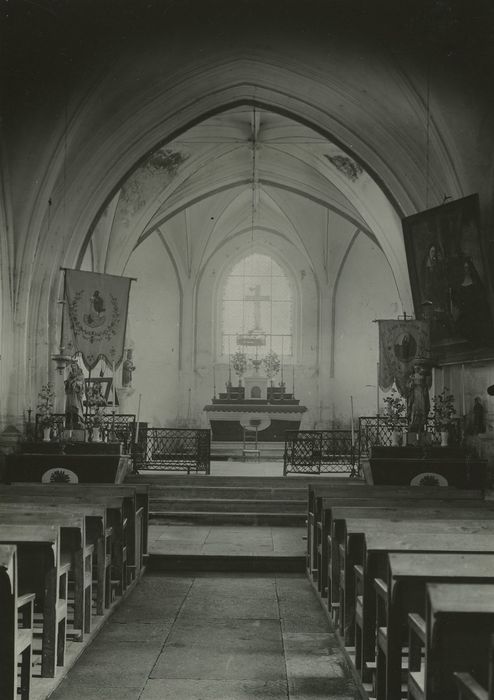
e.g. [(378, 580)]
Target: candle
[(138, 417), (463, 412), (353, 429)]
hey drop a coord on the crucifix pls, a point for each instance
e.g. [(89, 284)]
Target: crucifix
[(256, 298)]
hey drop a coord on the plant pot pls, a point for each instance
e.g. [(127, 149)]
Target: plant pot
[(46, 434), (444, 438), (395, 438), (96, 434)]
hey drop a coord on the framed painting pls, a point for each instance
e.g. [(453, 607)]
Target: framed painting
[(101, 388), (449, 280)]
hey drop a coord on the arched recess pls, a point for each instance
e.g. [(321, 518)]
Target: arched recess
[(101, 162)]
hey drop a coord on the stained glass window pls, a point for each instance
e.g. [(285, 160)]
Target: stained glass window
[(257, 308)]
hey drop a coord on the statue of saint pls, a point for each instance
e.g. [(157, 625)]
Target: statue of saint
[(418, 402), (127, 369), (74, 394), (478, 416)]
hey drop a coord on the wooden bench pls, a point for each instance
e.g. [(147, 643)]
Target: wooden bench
[(456, 636), (469, 688), (124, 516), (374, 565), (137, 509), (320, 500), (403, 592), (346, 542), (73, 540), (397, 504), (16, 630), (40, 566)]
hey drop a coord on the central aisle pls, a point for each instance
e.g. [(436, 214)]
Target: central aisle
[(214, 637)]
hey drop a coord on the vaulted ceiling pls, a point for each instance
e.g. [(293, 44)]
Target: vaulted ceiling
[(246, 171)]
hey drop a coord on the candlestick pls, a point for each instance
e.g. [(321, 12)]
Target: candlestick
[(463, 412), (353, 428), (138, 418), (214, 381)]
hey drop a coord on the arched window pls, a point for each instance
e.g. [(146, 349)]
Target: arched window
[(256, 308)]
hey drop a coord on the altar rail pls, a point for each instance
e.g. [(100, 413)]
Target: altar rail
[(376, 430), (318, 452), (118, 428), (173, 449)]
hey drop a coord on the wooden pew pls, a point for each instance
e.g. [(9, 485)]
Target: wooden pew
[(40, 566), (97, 533), (456, 633), (403, 592), (121, 510), (135, 500), (73, 540), (323, 496), (16, 629), (373, 565), (397, 507), (469, 688), (381, 495), (346, 542)]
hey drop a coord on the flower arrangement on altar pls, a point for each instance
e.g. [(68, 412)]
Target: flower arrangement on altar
[(95, 419), (271, 363), (239, 363), (44, 408), (394, 410), (443, 409)]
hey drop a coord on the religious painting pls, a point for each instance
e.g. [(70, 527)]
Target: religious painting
[(99, 391), (448, 279)]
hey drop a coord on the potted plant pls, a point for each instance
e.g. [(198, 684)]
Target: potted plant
[(271, 364), (239, 364), (95, 422), (44, 409), (443, 412), (395, 411)]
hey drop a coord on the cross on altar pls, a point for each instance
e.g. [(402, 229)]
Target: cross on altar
[(256, 298)]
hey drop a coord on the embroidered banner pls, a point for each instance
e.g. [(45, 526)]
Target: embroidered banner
[(96, 316), (401, 343)]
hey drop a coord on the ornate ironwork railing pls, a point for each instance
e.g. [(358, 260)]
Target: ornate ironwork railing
[(118, 428), (173, 449), (377, 430), (318, 452)]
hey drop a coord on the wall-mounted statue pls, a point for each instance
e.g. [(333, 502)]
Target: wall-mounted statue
[(74, 395), (418, 401), (478, 420), (127, 368)]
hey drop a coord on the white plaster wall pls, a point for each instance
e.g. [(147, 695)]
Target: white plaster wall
[(153, 333), (306, 320), (366, 291)]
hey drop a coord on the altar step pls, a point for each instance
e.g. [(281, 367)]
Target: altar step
[(222, 500), (234, 450), (226, 505)]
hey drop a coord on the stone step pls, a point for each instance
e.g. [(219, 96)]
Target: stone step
[(229, 492), (217, 518), (224, 505), (237, 563), (292, 481)]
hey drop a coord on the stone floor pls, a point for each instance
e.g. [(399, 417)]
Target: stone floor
[(221, 637), (227, 540)]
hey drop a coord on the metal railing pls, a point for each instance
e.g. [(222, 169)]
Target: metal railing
[(173, 449), (118, 428), (377, 430), (318, 452)]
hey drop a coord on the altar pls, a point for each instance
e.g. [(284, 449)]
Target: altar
[(270, 409)]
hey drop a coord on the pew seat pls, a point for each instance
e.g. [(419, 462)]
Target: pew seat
[(16, 630), (455, 637)]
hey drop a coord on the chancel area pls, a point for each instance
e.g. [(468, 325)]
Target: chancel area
[(246, 350)]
